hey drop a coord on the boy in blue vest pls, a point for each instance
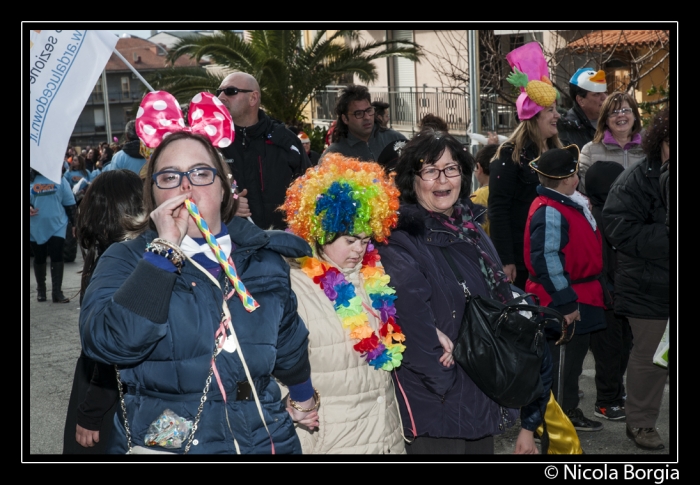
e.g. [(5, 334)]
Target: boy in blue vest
[(564, 256)]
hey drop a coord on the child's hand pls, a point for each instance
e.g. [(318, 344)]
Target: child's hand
[(525, 445)]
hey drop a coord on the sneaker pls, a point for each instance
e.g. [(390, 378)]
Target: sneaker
[(612, 412), (645, 438), (582, 423)]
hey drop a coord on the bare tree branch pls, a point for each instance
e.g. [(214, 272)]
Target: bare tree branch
[(449, 59)]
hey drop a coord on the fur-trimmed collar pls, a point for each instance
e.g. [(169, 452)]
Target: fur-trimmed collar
[(413, 217)]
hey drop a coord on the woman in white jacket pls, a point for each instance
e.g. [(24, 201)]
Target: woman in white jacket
[(618, 137), (347, 303)]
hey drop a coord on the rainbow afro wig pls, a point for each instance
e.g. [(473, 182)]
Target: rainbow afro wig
[(342, 196)]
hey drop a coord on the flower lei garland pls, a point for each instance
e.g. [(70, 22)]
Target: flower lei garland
[(383, 351)]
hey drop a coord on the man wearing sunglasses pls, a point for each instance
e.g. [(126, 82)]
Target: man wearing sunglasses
[(265, 156), (356, 133)]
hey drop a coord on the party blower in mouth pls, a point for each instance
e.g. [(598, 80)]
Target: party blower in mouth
[(227, 264)]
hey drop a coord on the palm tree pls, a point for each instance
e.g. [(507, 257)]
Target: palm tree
[(287, 73)]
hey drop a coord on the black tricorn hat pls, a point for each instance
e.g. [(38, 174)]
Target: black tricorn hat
[(390, 155), (557, 163)]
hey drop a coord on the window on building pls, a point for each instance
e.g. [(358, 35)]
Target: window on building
[(125, 86), (97, 91), (516, 40), (99, 114), (617, 75)]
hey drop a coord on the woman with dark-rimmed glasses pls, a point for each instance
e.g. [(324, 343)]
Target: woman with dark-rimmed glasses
[(197, 311), (451, 414)]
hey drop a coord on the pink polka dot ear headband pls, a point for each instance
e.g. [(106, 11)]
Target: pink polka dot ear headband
[(160, 115)]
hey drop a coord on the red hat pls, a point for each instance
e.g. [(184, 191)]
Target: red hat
[(304, 137)]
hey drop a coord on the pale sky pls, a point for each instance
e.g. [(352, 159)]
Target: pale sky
[(144, 34)]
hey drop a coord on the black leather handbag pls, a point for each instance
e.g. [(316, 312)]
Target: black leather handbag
[(500, 349)]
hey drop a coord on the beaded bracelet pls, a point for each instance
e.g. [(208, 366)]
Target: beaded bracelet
[(317, 398), (169, 251)]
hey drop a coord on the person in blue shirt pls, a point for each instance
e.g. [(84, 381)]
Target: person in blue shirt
[(78, 174), (129, 157), (52, 205)]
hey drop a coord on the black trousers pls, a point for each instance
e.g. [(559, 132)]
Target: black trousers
[(52, 248), (574, 355), (611, 348), (450, 446)]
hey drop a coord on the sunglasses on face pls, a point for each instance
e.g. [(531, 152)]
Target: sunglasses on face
[(232, 91)]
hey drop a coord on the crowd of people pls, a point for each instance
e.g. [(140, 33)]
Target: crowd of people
[(242, 293)]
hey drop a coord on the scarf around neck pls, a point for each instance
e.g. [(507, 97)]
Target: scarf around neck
[(462, 224), (580, 200)]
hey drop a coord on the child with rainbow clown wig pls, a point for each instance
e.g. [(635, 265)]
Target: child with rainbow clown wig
[(339, 207)]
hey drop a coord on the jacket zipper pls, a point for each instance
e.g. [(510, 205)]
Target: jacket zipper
[(262, 184)]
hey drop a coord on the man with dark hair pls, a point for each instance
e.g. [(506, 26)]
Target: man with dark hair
[(433, 121), (265, 156), (588, 89), (356, 134), (129, 157), (381, 113)]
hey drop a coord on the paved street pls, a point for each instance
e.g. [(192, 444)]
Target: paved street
[(54, 347)]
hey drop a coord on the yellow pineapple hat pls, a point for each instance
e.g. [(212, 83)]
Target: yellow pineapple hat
[(531, 75)]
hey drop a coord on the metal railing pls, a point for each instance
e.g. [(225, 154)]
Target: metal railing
[(89, 128), (408, 106), (115, 97)]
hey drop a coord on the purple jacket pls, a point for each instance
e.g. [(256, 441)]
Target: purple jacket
[(444, 401)]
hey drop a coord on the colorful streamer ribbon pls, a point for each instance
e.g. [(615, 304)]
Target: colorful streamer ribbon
[(246, 298)]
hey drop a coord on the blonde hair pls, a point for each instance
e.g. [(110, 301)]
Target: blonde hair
[(528, 130)]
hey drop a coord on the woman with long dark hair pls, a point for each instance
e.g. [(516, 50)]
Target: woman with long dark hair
[(112, 206)]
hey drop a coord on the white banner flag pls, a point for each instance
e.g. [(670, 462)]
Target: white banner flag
[(64, 68)]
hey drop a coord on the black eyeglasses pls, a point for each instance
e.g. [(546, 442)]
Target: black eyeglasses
[(360, 113), (433, 173), (170, 179), (232, 91)]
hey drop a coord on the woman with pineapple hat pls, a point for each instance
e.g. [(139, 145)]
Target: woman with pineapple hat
[(512, 182)]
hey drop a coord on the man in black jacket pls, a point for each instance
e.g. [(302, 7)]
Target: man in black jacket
[(588, 90), (356, 133), (634, 215), (265, 156)]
